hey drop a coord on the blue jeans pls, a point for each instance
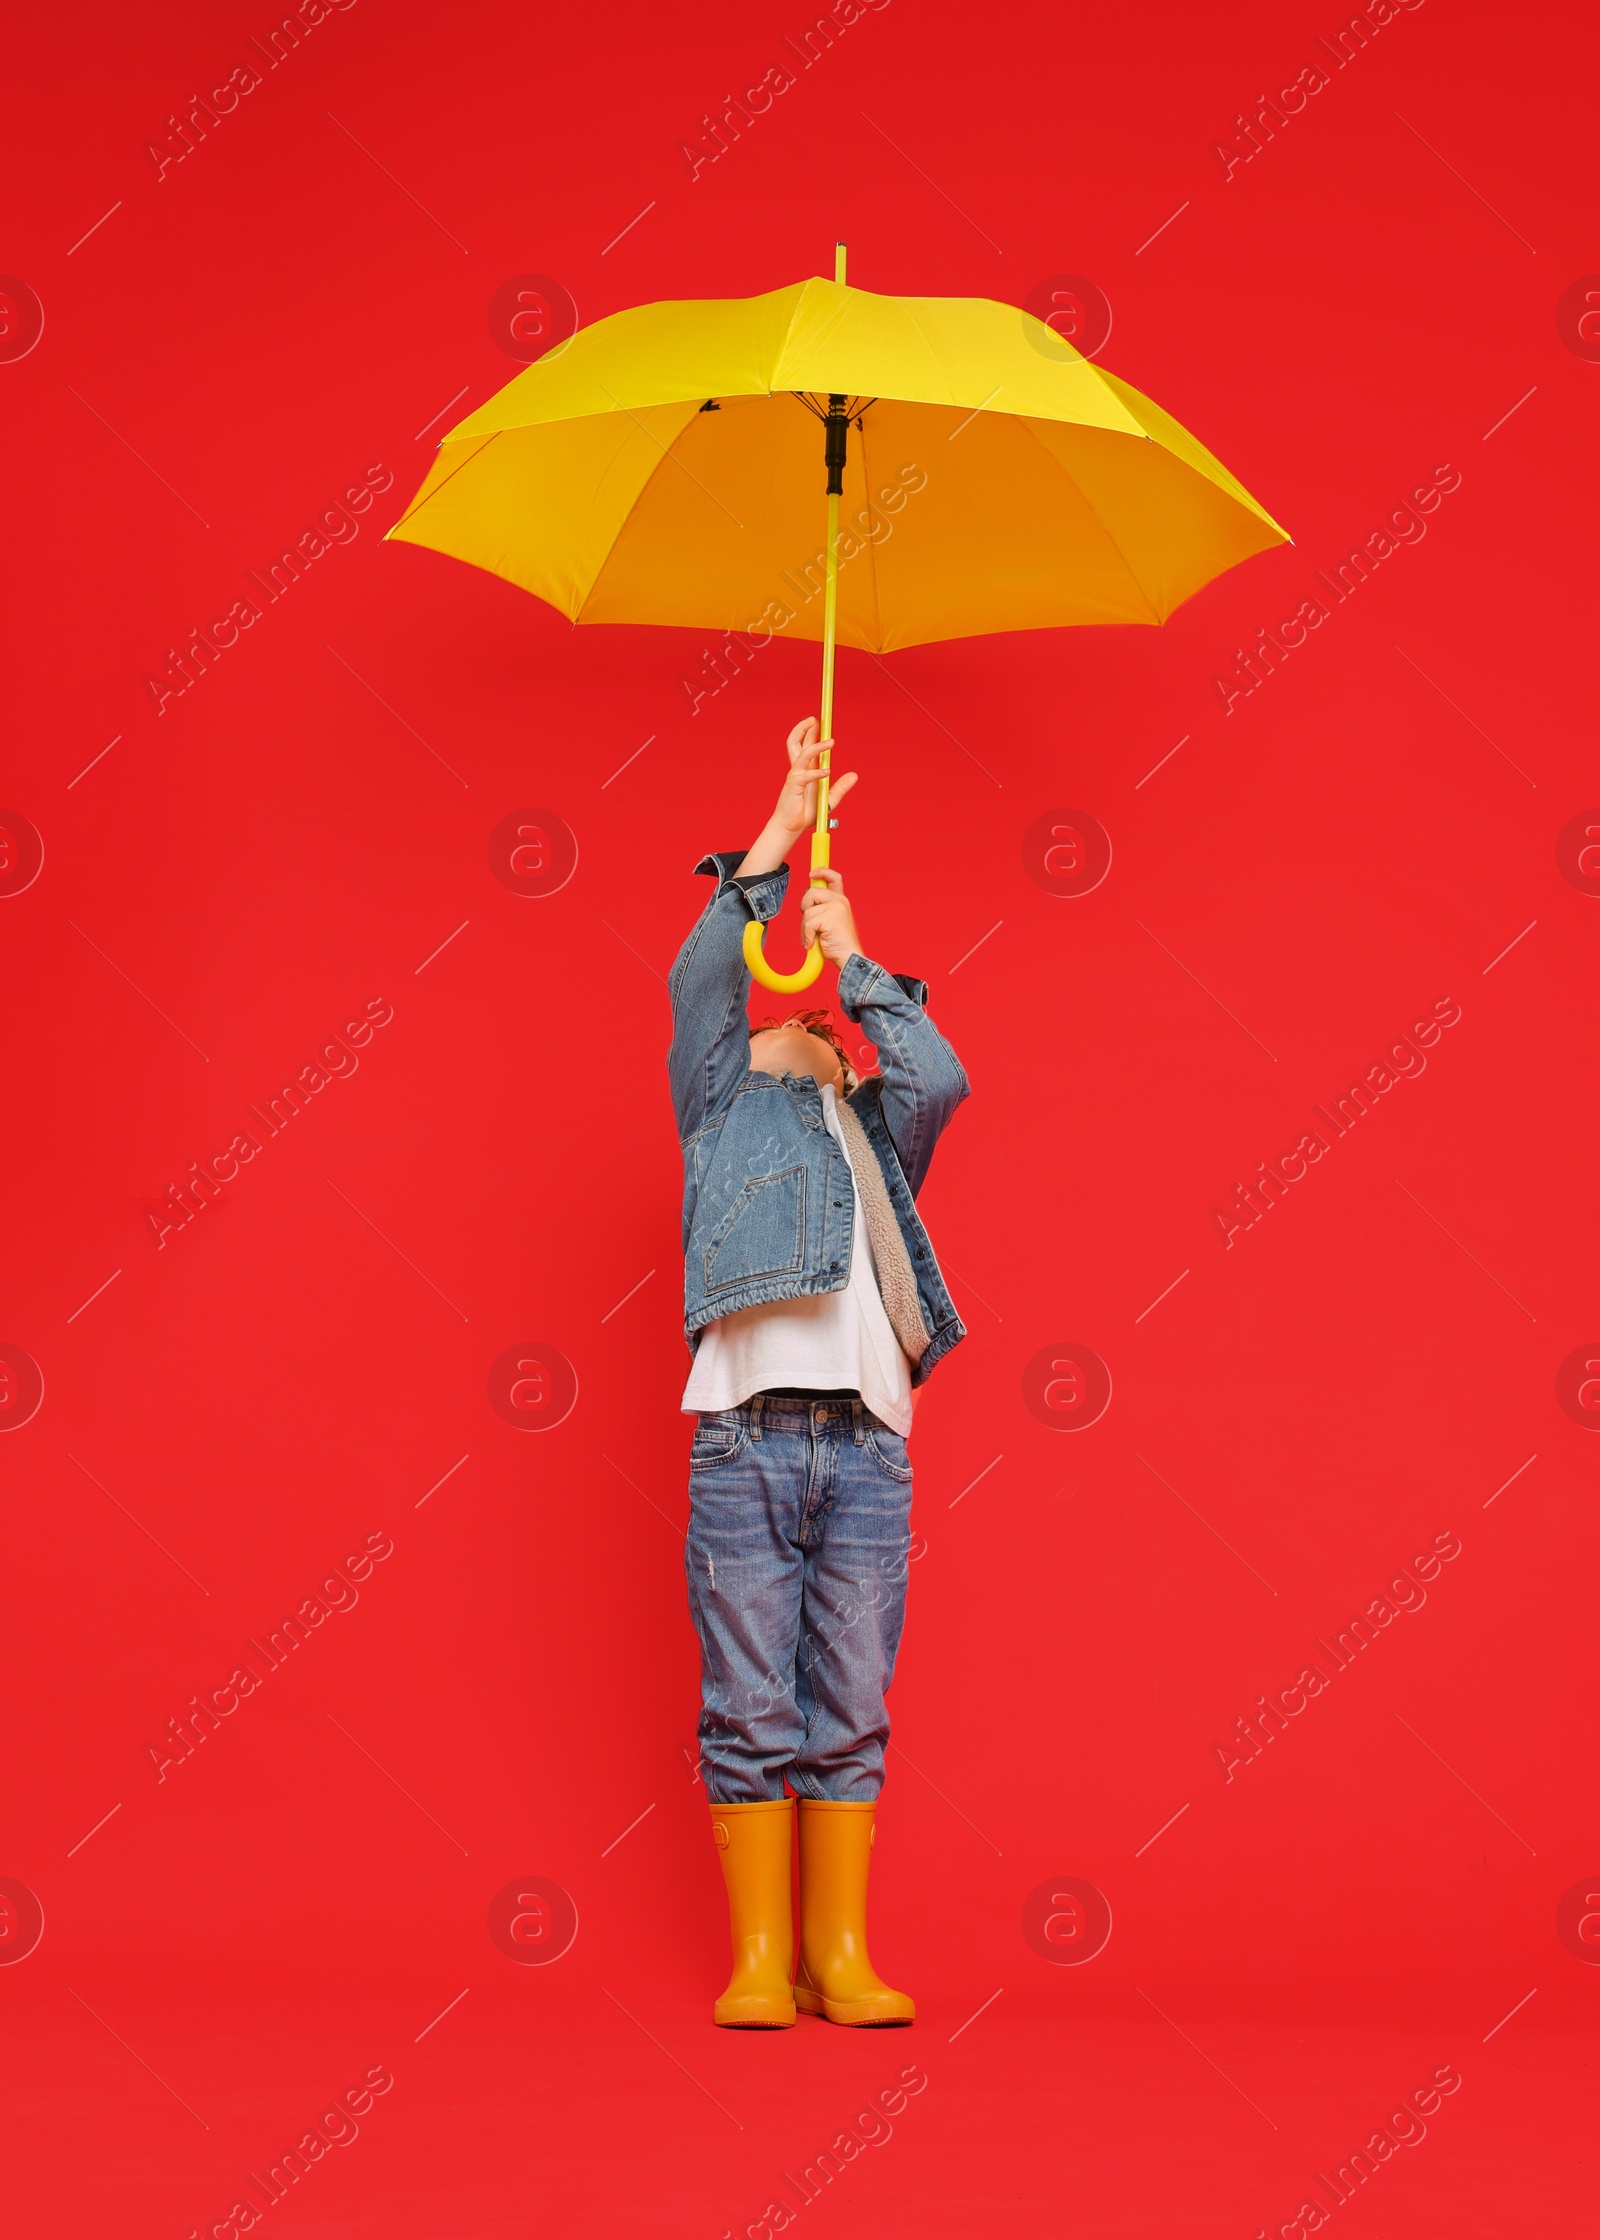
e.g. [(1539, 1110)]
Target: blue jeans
[(799, 1538)]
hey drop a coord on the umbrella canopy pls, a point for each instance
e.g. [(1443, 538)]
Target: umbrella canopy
[(661, 466)]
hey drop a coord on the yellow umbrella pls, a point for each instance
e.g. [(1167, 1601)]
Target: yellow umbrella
[(662, 466)]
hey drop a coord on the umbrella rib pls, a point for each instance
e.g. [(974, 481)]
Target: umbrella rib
[(915, 324), (634, 504), (935, 360), (429, 495), (781, 359), (788, 332), (1090, 508), (1223, 479), (765, 510), (667, 453)]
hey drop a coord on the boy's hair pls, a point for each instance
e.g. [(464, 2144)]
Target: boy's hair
[(820, 1024)]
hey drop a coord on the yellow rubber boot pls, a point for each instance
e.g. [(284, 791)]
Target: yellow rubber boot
[(756, 1843), (837, 1978)]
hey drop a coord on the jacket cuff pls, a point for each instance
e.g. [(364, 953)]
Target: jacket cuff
[(761, 891), (861, 983)]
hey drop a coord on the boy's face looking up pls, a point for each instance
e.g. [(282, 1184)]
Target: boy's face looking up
[(781, 1050)]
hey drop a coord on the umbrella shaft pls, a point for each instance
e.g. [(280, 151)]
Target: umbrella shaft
[(830, 612)]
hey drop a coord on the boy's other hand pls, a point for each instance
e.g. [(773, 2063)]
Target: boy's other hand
[(797, 803), (826, 916)]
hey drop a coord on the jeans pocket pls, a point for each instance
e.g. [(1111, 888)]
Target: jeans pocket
[(717, 1439), (889, 1452)]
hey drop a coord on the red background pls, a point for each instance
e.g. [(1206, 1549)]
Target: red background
[(224, 355)]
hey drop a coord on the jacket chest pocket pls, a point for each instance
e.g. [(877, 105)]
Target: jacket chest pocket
[(763, 1233)]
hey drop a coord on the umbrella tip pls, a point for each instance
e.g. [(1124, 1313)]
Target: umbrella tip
[(838, 262)]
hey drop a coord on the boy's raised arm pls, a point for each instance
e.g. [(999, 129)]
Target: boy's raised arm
[(923, 1079), (710, 988), (710, 982)]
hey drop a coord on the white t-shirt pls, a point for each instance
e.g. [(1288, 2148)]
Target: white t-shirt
[(836, 1342)]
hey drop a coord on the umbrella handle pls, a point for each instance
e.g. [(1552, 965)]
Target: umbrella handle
[(790, 983), (755, 933)]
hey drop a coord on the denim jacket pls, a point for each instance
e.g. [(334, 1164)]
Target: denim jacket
[(768, 1203)]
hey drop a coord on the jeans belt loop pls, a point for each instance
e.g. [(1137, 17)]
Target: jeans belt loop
[(858, 1413), (756, 1406)]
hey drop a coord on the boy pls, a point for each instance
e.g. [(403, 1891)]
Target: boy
[(814, 1310)]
